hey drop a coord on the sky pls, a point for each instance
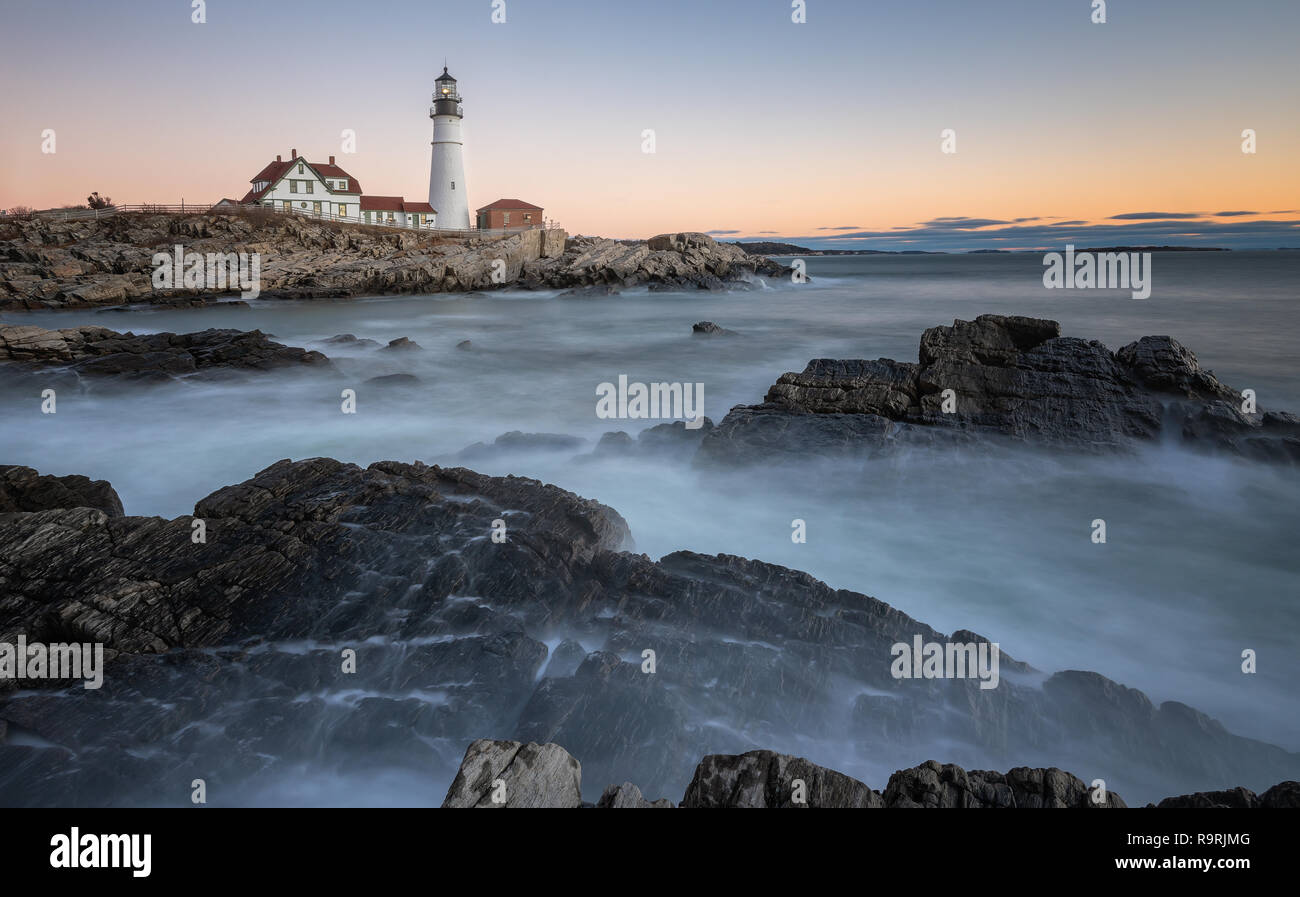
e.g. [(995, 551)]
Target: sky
[(827, 133)]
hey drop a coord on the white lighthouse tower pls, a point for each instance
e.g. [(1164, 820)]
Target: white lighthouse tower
[(447, 166)]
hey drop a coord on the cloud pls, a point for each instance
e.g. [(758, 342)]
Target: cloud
[(963, 223), (1232, 214), (1155, 216), (961, 234), (721, 232), (842, 227)]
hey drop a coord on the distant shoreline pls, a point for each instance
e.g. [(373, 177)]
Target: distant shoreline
[(788, 249)]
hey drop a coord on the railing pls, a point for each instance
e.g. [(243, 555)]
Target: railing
[(323, 215)]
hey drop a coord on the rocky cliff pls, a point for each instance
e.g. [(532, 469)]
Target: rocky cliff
[(226, 652), (49, 263)]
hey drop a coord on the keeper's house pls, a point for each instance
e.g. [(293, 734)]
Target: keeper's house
[(509, 213), (326, 190)]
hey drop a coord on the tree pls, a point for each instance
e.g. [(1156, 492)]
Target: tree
[(95, 201)]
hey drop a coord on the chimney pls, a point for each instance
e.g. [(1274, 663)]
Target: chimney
[(293, 154), (331, 160), (277, 158)]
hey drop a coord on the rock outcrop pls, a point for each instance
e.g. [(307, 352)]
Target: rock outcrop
[(944, 785), (509, 774), (51, 263), (23, 489), (769, 779), (708, 328), (99, 352), (766, 779), (1009, 379), (539, 635)]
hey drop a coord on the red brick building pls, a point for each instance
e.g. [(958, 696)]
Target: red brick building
[(513, 213)]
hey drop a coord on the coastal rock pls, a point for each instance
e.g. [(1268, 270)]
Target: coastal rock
[(241, 638), (510, 774), (934, 785), (46, 262), (348, 339), (100, 352), (23, 489), (671, 438), (628, 797), (401, 344), (769, 779), (1235, 798), (766, 779), (708, 328), (517, 441), (1011, 380)]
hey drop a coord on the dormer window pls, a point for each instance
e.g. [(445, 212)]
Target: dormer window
[(343, 185)]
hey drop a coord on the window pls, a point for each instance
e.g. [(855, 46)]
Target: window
[(300, 168), (527, 217), (453, 185), (286, 205), (293, 186), (343, 184), (343, 209), (367, 217), (309, 186), (506, 219)]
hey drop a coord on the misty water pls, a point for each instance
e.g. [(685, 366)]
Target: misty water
[(1200, 562)]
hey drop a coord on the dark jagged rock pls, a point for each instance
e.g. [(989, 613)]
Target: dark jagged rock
[(509, 774), (517, 441), (628, 797), (241, 637), (100, 352), (394, 380), (673, 437), (769, 779), (401, 344), (1237, 798), (1011, 379), (708, 328), (1283, 795), (23, 489), (349, 339), (934, 785)]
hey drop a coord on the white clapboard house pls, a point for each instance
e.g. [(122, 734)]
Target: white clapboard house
[(325, 190)]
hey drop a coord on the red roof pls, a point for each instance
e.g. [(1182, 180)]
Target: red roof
[(510, 204), (276, 170), (381, 203), (394, 204), (333, 171)]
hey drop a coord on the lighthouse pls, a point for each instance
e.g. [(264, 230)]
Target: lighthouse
[(447, 165)]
